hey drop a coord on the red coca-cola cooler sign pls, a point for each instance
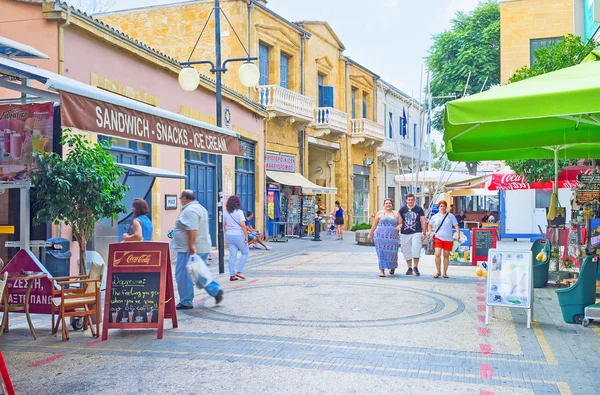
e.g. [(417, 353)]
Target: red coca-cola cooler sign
[(514, 182)]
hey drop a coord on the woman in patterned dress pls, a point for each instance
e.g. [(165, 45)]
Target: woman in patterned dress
[(386, 226)]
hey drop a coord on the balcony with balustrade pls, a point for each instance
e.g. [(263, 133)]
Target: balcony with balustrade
[(397, 149), (366, 132), (330, 121), (290, 106)]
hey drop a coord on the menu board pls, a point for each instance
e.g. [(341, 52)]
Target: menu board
[(134, 297), (139, 293), (482, 240), (510, 280)]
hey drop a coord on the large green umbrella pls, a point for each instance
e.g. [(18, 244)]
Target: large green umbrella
[(549, 116)]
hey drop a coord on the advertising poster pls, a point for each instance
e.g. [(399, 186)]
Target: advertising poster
[(509, 281), (25, 131), (271, 204)]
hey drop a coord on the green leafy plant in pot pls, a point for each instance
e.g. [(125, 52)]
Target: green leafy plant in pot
[(79, 189)]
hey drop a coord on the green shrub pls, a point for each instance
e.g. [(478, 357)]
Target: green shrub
[(360, 226)]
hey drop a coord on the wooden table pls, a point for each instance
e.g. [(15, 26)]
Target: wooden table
[(474, 224), (17, 307)]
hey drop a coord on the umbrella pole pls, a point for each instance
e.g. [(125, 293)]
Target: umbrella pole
[(556, 170)]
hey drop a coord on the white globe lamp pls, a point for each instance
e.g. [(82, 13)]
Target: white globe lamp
[(249, 74), (189, 79)]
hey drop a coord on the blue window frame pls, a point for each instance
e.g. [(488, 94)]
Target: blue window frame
[(400, 121), (364, 105), (263, 64), (391, 126), (284, 71), (201, 171), (353, 103), (415, 134), (245, 179)]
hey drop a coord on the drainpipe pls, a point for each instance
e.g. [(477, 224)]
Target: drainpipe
[(61, 42), (302, 135), (347, 144), (250, 8)]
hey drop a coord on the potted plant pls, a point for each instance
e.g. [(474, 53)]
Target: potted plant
[(79, 189)]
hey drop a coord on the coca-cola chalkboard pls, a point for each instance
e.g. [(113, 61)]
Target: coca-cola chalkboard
[(483, 239), (139, 287)]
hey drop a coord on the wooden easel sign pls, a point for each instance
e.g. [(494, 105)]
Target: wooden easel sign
[(139, 287)]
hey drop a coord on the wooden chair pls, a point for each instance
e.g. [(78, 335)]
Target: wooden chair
[(78, 301)]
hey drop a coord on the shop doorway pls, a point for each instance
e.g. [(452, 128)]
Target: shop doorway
[(201, 169), (245, 177), (361, 199)]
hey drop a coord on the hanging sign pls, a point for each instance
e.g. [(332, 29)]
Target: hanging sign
[(25, 131), (110, 119), (483, 239), (139, 287), (509, 280)]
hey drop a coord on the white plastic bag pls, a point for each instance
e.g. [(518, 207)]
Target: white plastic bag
[(199, 272)]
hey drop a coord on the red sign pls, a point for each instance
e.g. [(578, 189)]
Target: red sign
[(514, 182), (25, 131), (139, 287), (40, 297), (482, 239)]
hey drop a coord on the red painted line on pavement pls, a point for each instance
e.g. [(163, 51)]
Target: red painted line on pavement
[(483, 331), (481, 298), (486, 371), (253, 281), (291, 267), (481, 318), (486, 349), (93, 343), (480, 284), (481, 307), (482, 392), (47, 360), (238, 287), (480, 291)]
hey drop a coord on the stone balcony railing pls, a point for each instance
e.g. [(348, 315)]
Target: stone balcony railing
[(364, 130), (329, 119), (392, 149), (281, 102)]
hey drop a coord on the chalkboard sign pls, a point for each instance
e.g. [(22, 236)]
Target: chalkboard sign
[(139, 290), (134, 297), (483, 240)]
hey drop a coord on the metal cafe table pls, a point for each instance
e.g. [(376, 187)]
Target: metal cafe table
[(6, 308)]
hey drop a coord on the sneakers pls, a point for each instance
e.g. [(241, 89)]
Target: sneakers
[(183, 307), (416, 270), (268, 248), (233, 278), (219, 296), (409, 272)]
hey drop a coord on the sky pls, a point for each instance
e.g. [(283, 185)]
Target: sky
[(389, 37)]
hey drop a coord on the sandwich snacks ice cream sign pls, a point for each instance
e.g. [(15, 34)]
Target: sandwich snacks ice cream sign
[(25, 131)]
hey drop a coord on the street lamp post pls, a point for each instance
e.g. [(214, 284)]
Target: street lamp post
[(189, 81)]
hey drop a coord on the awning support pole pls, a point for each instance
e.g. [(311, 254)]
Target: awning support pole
[(25, 215)]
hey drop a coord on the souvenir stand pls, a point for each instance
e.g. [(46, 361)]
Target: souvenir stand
[(584, 236)]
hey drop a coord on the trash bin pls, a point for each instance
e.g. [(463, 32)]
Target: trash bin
[(58, 257)]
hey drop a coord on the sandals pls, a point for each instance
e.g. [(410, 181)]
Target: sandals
[(382, 273), (445, 276), (240, 276), (437, 275), (392, 271)]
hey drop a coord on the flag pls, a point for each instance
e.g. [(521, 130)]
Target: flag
[(404, 125)]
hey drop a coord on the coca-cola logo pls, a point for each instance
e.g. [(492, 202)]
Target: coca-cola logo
[(14, 113), (511, 177), (144, 258)]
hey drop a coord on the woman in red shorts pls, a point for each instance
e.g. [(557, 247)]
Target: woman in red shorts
[(440, 226)]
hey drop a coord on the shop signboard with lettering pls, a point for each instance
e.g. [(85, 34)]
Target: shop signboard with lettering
[(139, 287), (40, 298), (280, 162)]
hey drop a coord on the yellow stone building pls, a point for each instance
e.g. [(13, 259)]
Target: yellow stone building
[(526, 25), (322, 105)]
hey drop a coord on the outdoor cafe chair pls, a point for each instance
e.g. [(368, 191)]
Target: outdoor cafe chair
[(84, 300)]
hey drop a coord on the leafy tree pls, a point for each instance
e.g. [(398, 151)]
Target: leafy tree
[(93, 6), (470, 50), (569, 51), (78, 190), (440, 159)]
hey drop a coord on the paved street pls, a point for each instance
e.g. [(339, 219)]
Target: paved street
[(316, 318)]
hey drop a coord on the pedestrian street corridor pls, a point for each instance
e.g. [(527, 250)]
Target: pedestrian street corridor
[(316, 318)]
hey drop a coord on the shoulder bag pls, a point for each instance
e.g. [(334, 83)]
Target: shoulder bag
[(430, 250)]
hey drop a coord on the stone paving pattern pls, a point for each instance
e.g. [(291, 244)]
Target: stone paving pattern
[(316, 318)]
